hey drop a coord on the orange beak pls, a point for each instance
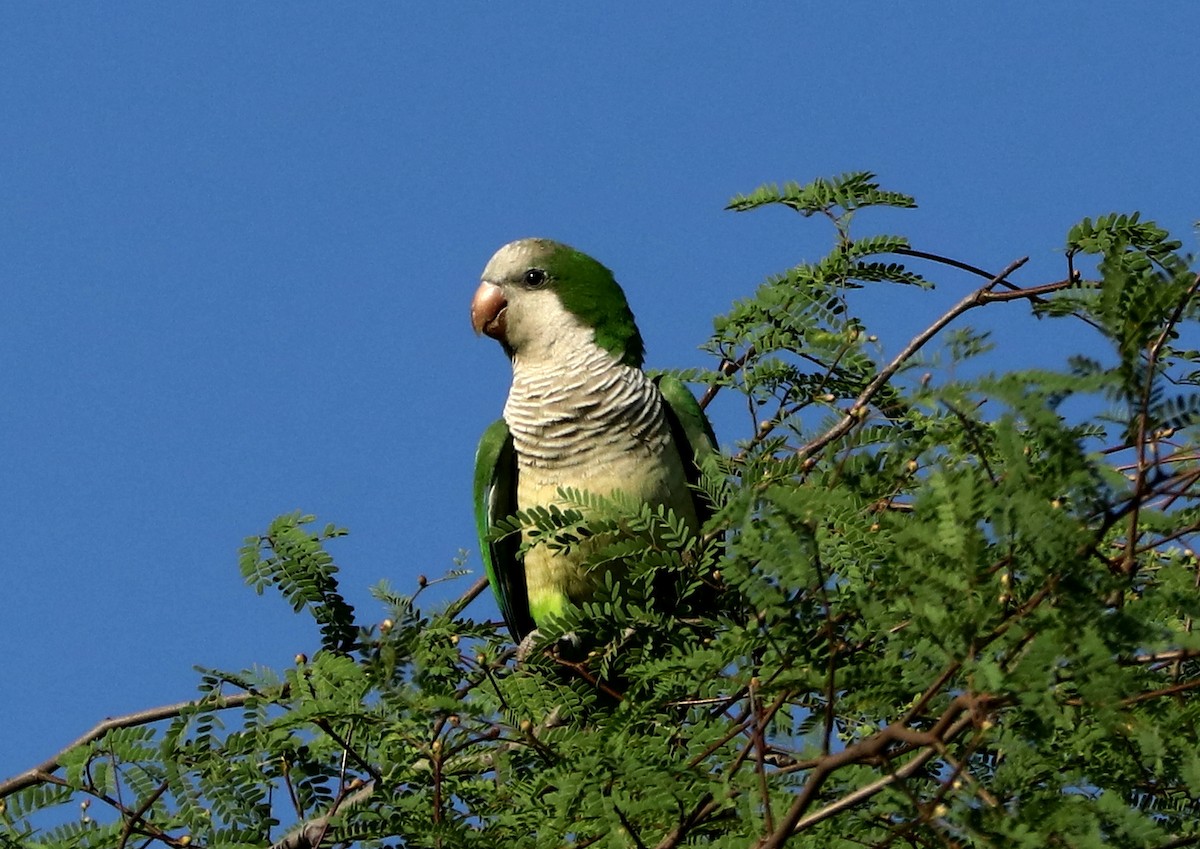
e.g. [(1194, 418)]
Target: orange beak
[(488, 309)]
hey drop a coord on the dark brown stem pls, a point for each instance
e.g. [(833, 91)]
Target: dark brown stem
[(958, 716), (136, 817), (706, 807), (458, 605), (868, 790), (347, 749), (728, 368), (953, 263), (1143, 422), (979, 297)]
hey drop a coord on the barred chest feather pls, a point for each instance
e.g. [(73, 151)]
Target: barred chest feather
[(588, 422)]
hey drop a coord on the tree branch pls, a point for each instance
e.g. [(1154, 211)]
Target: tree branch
[(728, 368), (869, 748), (953, 263), (310, 834), (865, 792), (36, 775), (979, 297), (458, 605)]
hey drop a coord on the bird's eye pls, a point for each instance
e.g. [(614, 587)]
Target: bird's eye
[(534, 278)]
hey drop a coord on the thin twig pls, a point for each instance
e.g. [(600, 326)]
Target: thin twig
[(759, 742), (953, 263), (347, 749), (458, 605), (728, 368), (705, 808), (628, 826), (979, 297), (136, 817), (1143, 423)]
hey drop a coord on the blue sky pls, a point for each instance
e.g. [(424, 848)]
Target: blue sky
[(238, 243)]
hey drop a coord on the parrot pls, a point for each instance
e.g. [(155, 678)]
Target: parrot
[(580, 414)]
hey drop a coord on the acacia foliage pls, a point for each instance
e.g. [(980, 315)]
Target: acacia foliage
[(930, 610)]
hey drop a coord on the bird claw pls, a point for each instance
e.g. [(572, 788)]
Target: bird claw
[(526, 645), (568, 644)]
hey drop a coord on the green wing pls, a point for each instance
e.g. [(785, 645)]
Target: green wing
[(495, 499), (692, 432)]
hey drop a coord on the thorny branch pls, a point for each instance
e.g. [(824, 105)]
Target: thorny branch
[(982, 296), (305, 836)]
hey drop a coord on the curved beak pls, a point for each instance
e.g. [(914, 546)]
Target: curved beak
[(488, 309)]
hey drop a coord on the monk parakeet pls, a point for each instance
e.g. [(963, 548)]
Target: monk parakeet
[(580, 414)]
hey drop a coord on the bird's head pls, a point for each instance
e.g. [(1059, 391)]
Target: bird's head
[(539, 297)]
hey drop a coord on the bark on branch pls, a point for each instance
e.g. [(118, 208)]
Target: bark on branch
[(37, 774)]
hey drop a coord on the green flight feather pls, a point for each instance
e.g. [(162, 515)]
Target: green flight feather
[(691, 431), (496, 498)]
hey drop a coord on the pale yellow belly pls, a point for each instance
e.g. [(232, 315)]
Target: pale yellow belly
[(556, 578)]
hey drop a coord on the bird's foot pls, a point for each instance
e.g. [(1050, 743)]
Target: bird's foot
[(526, 645), (567, 646)]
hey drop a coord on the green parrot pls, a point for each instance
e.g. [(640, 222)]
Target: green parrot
[(580, 414)]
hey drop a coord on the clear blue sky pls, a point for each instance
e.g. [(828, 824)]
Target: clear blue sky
[(238, 242)]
